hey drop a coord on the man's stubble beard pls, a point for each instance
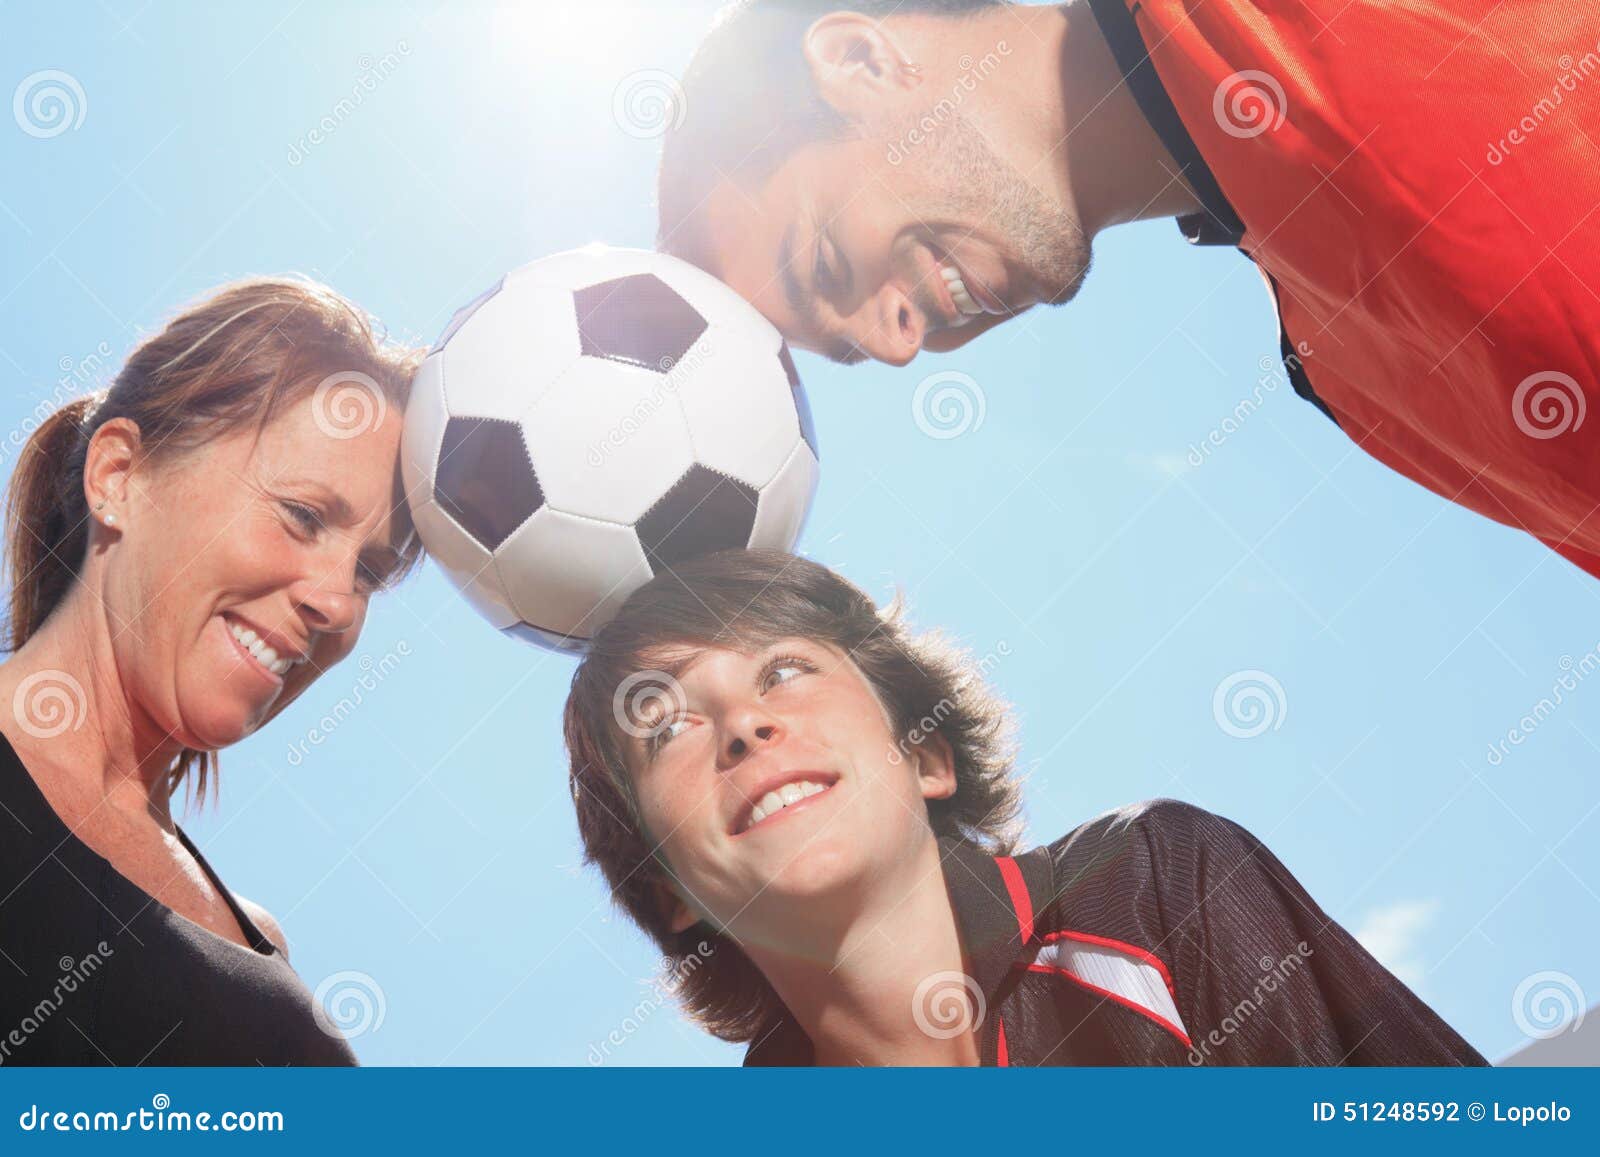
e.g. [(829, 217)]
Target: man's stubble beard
[(973, 183)]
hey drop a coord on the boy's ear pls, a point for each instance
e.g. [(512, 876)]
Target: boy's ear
[(936, 766), (678, 915)]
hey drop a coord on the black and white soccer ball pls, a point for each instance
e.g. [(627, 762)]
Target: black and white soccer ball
[(592, 419)]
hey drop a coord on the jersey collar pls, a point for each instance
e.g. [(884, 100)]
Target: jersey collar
[(1216, 223)]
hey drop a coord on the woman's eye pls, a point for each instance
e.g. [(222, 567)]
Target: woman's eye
[(367, 577), (307, 519)]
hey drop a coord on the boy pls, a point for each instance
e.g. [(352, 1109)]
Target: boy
[(764, 761)]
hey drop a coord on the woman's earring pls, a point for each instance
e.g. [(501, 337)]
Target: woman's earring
[(111, 520), (910, 69)]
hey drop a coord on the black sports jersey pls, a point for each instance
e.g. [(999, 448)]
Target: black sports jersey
[(1161, 934)]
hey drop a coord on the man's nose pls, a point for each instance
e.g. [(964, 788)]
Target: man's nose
[(891, 326)]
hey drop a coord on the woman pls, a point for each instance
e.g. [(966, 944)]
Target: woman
[(187, 553), (811, 809)]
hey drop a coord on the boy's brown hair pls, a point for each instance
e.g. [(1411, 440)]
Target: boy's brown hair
[(745, 600)]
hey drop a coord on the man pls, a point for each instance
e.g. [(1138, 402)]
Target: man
[(812, 810), (1418, 183)]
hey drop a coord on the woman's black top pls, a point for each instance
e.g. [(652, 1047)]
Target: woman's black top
[(95, 971)]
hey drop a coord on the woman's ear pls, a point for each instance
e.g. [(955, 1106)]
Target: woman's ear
[(854, 65), (108, 468), (678, 915), (936, 766)]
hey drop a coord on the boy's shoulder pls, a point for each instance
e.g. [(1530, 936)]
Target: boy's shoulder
[(1160, 822), (1158, 846)]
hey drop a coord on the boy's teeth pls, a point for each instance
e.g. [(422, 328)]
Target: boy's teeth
[(789, 793)]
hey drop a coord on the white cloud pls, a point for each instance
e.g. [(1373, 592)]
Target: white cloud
[(1391, 933)]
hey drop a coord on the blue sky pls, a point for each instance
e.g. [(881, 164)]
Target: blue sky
[(428, 843)]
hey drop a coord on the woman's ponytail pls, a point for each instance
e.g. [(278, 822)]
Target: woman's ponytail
[(47, 519)]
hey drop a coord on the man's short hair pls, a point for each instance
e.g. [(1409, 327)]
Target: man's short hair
[(748, 103), (745, 600)]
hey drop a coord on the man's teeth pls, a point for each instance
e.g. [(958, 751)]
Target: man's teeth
[(259, 650), (958, 292), (775, 801)]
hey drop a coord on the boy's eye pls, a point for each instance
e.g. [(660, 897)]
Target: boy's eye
[(664, 734), (783, 670)]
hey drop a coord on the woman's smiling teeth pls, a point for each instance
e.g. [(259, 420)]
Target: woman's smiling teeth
[(775, 801), (259, 651)]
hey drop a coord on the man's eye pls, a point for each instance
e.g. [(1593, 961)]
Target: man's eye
[(821, 279)]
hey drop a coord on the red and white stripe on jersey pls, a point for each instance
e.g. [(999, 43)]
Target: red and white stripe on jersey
[(1116, 970)]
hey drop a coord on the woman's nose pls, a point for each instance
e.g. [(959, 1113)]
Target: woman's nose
[(325, 611)]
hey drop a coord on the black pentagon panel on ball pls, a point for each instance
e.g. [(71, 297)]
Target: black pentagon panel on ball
[(459, 318), (703, 512), (802, 405), (638, 319), (485, 479)]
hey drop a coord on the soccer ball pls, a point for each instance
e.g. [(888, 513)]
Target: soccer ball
[(592, 419)]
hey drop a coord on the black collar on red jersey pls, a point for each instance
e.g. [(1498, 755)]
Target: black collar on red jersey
[(997, 903), (1217, 223)]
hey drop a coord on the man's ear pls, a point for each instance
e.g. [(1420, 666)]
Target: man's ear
[(678, 915), (854, 65), (936, 767)]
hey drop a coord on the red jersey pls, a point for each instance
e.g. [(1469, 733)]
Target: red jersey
[(1420, 183)]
